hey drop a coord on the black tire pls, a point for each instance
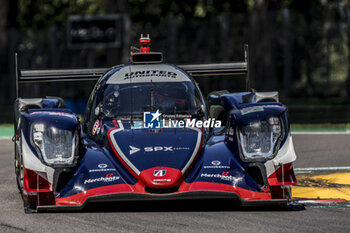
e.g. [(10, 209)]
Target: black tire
[(19, 167), (29, 207)]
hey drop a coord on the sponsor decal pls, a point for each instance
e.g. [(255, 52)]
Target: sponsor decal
[(224, 176), (215, 162), (257, 108), (54, 113), (150, 73), (251, 109), (271, 105), (133, 150), (95, 127), (216, 165), (181, 148), (159, 172), (158, 148), (161, 180), (99, 128), (102, 167), (107, 179)]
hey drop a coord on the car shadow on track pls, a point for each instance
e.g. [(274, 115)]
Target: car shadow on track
[(185, 206)]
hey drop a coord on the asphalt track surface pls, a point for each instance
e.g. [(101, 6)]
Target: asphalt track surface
[(189, 216)]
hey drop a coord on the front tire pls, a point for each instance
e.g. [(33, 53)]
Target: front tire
[(19, 166)]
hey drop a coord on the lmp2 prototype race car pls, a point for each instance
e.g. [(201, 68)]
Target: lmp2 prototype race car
[(149, 134)]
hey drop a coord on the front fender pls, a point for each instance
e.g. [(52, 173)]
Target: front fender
[(218, 164)]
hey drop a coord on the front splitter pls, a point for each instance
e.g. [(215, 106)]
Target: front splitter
[(191, 195)]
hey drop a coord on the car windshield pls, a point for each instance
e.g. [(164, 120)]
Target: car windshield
[(135, 98)]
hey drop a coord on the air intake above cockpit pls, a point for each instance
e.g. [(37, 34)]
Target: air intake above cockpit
[(144, 54)]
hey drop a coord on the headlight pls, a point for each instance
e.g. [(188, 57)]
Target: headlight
[(259, 139), (57, 146)]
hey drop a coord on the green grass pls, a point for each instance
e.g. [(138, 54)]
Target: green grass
[(6, 130), (6, 125), (320, 127)]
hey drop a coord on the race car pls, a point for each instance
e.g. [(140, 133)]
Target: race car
[(148, 133)]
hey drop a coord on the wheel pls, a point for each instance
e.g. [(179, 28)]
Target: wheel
[(19, 165), (29, 207)]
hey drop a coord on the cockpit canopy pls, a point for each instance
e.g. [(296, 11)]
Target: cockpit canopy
[(131, 90), (135, 98)]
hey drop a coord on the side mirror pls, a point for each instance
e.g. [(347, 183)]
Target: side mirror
[(214, 97)]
